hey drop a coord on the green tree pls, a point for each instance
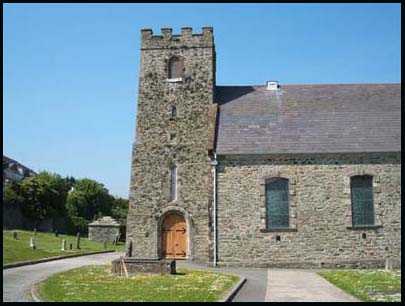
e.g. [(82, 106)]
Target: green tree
[(88, 200), (119, 210), (12, 195), (44, 196)]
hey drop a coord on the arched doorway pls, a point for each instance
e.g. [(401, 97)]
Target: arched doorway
[(174, 236)]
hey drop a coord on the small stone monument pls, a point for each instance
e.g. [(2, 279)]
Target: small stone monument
[(32, 243), (56, 233), (105, 228), (35, 231), (15, 235), (138, 265), (63, 245), (78, 241), (71, 246)]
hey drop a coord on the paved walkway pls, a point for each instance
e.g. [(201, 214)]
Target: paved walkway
[(254, 289), (17, 282), (281, 285), (287, 285)]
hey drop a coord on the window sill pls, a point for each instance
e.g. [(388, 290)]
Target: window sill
[(364, 227), (176, 80), (270, 230)]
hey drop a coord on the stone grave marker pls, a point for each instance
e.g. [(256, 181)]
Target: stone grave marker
[(32, 243), (78, 241), (63, 245)]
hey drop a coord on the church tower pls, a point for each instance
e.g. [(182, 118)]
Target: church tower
[(171, 181)]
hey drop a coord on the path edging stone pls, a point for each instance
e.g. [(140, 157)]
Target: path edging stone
[(229, 297), (33, 262), (35, 293)]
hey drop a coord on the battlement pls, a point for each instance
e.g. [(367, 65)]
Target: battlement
[(184, 40)]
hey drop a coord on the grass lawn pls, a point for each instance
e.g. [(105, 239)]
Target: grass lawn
[(47, 246), (98, 284), (367, 285)]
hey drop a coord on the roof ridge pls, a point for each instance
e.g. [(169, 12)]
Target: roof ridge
[(314, 84)]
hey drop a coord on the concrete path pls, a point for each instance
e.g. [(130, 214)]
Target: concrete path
[(17, 282), (287, 285), (281, 285), (255, 288)]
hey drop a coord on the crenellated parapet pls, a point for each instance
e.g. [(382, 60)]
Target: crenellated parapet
[(184, 40)]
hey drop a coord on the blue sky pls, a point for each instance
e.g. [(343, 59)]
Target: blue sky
[(70, 71)]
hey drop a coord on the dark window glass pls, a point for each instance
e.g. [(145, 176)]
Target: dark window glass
[(174, 68), (277, 203), (362, 200)]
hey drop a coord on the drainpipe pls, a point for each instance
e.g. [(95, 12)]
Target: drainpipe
[(214, 163)]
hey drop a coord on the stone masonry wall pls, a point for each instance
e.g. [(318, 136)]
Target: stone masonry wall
[(321, 234), (103, 233), (154, 152)]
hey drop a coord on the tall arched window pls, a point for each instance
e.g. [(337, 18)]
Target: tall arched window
[(277, 208), (362, 200), (173, 183), (174, 68)]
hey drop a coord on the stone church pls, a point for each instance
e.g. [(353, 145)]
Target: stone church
[(271, 175)]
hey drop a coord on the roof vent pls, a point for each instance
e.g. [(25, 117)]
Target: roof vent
[(272, 85)]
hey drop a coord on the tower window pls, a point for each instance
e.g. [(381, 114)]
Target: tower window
[(172, 136), (173, 183), (174, 112), (174, 68)]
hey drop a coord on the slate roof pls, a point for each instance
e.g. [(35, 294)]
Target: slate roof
[(309, 119), (105, 221)]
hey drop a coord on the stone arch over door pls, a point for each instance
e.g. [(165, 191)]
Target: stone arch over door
[(173, 214)]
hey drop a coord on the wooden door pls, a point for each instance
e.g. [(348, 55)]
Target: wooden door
[(174, 237)]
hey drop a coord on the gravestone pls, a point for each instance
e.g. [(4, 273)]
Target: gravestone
[(56, 233), (388, 264), (78, 241), (71, 246), (35, 231), (63, 245), (32, 243), (15, 235)]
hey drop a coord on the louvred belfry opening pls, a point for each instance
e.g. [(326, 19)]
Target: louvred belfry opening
[(174, 68)]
